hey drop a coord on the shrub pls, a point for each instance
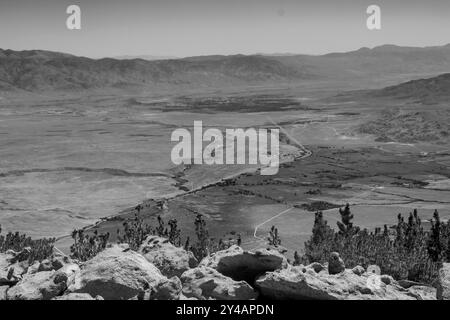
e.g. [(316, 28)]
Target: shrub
[(273, 239), (87, 246), (134, 232), (40, 249)]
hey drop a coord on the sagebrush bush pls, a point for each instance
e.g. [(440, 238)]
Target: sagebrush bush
[(87, 246), (40, 249)]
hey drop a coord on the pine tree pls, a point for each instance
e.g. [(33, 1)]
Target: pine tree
[(346, 225), (435, 243), (321, 243), (297, 259)]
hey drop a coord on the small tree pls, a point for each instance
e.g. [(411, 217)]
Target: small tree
[(201, 249), (274, 238), (321, 243), (160, 230), (437, 246), (174, 233), (297, 259), (346, 225)]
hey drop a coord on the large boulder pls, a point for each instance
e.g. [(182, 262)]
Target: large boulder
[(39, 286), (116, 273), (300, 283), (10, 272), (238, 264), (443, 285), (169, 259), (205, 283)]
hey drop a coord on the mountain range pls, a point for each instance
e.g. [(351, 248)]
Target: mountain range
[(38, 70)]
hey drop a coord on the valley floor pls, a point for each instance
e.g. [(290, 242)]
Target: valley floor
[(88, 162)]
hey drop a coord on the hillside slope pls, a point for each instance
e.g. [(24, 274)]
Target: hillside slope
[(38, 70), (431, 90), (417, 111)]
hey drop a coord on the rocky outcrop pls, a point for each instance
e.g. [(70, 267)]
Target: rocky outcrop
[(443, 286), (205, 283), (232, 274), (238, 264), (116, 273), (169, 259), (299, 283), (39, 286), (11, 270)]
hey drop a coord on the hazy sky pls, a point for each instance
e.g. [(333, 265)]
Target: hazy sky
[(201, 27)]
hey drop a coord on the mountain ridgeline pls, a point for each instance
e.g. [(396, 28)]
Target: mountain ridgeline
[(42, 71), (37, 70)]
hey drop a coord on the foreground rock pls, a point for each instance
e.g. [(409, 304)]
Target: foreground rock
[(169, 259), (39, 286), (116, 273), (443, 287), (299, 283), (238, 264), (11, 270), (421, 292), (167, 290), (76, 296), (205, 283)]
